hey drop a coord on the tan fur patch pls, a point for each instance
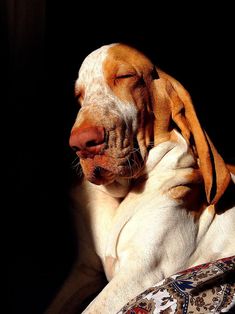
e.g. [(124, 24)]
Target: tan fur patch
[(126, 72), (179, 192)]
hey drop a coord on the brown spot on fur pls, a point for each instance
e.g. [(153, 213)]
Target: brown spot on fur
[(192, 197), (191, 194), (179, 192), (211, 208)]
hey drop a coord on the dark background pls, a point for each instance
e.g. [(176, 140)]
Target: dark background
[(43, 44)]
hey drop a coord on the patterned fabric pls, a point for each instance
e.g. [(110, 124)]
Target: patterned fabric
[(207, 288)]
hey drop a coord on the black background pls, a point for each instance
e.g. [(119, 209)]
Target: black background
[(45, 43)]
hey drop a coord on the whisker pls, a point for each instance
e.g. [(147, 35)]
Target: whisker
[(135, 162), (78, 171), (77, 166), (135, 150), (80, 174), (75, 160), (138, 166), (129, 164)]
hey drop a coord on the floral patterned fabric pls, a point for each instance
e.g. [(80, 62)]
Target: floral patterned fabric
[(207, 288)]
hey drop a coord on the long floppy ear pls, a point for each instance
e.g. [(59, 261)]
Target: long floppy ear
[(171, 102)]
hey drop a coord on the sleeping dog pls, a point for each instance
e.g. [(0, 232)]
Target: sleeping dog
[(154, 199)]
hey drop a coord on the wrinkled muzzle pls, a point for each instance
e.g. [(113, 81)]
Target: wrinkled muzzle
[(105, 140)]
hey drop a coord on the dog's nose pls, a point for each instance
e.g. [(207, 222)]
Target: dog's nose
[(87, 141)]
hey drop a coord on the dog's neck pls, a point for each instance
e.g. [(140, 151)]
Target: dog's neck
[(119, 188), (183, 159)]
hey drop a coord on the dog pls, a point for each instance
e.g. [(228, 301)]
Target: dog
[(156, 195)]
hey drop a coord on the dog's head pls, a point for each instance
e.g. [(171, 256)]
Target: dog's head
[(113, 129), (127, 107)]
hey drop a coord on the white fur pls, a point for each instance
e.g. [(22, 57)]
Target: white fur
[(98, 95)]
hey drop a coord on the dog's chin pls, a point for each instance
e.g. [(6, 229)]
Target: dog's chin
[(104, 170), (100, 176)]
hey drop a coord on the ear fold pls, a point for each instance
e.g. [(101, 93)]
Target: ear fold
[(173, 103)]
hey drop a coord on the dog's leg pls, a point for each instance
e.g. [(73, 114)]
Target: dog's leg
[(126, 285)]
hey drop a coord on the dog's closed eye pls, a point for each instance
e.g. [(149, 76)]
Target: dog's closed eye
[(124, 76)]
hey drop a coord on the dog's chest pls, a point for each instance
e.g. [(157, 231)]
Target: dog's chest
[(143, 222), (135, 228)]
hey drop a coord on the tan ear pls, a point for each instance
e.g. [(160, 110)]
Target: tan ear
[(173, 103)]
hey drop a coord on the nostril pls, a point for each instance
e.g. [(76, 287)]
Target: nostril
[(92, 143)]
